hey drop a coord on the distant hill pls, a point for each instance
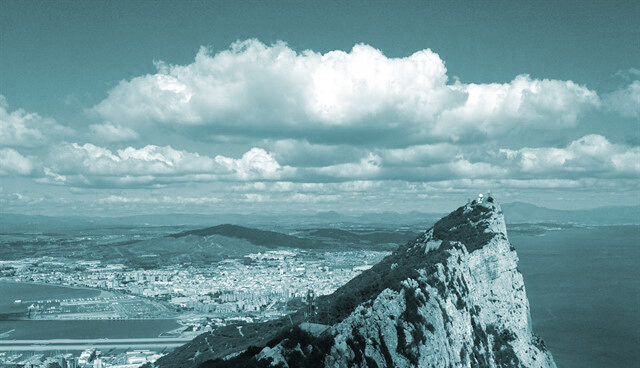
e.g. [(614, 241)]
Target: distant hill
[(520, 212), (13, 222), (363, 237), (337, 234), (254, 236)]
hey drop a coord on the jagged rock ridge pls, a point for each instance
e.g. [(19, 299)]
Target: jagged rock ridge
[(451, 298)]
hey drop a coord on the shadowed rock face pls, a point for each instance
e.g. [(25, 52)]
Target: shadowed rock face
[(451, 298)]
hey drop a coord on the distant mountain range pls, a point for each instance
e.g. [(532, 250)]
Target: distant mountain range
[(517, 212), (520, 212)]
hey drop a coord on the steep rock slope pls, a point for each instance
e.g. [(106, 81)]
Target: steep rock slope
[(463, 302), (451, 298)]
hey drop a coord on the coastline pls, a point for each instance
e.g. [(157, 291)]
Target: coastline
[(77, 287)]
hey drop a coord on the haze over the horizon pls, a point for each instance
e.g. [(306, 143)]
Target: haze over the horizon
[(116, 108)]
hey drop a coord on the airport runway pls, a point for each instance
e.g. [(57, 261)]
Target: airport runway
[(81, 344)]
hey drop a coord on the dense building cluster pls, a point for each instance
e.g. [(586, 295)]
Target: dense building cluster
[(261, 283), (89, 358), (258, 286)]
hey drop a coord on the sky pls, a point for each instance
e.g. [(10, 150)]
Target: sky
[(124, 107)]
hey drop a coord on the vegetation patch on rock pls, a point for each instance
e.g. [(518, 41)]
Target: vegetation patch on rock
[(465, 227)]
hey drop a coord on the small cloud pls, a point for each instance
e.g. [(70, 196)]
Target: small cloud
[(255, 198), (13, 163), (53, 176), (173, 200), (367, 167), (626, 101), (19, 128), (464, 168), (256, 163), (629, 74), (590, 154), (113, 133), (313, 198), (420, 155)]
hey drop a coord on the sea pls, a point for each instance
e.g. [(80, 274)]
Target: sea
[(583, 285)]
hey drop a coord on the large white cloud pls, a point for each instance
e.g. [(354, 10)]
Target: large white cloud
[(19, 128), (253, 88), (523, 102), (591, 155)]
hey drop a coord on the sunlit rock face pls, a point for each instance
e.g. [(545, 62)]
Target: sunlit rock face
[(451, 298)]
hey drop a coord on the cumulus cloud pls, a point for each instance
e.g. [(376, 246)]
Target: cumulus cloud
[(19, 128), (290, 198), (149, 160), (302, 153), (523, 102), (590, 155), (631, 73), (313, 198), (118, 199), (626, 101), (253, 88), (113, 133), (420, 168), (256, 163), (50, 176), (322, 127), (13, 163), (91, 165), (311, 188), (368, 167), (420, 155), (465, 169)]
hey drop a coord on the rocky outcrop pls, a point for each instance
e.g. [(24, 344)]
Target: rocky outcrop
[(467, 310), (452, 298)]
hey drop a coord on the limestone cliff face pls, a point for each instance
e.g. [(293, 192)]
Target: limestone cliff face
[(452, 298)]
